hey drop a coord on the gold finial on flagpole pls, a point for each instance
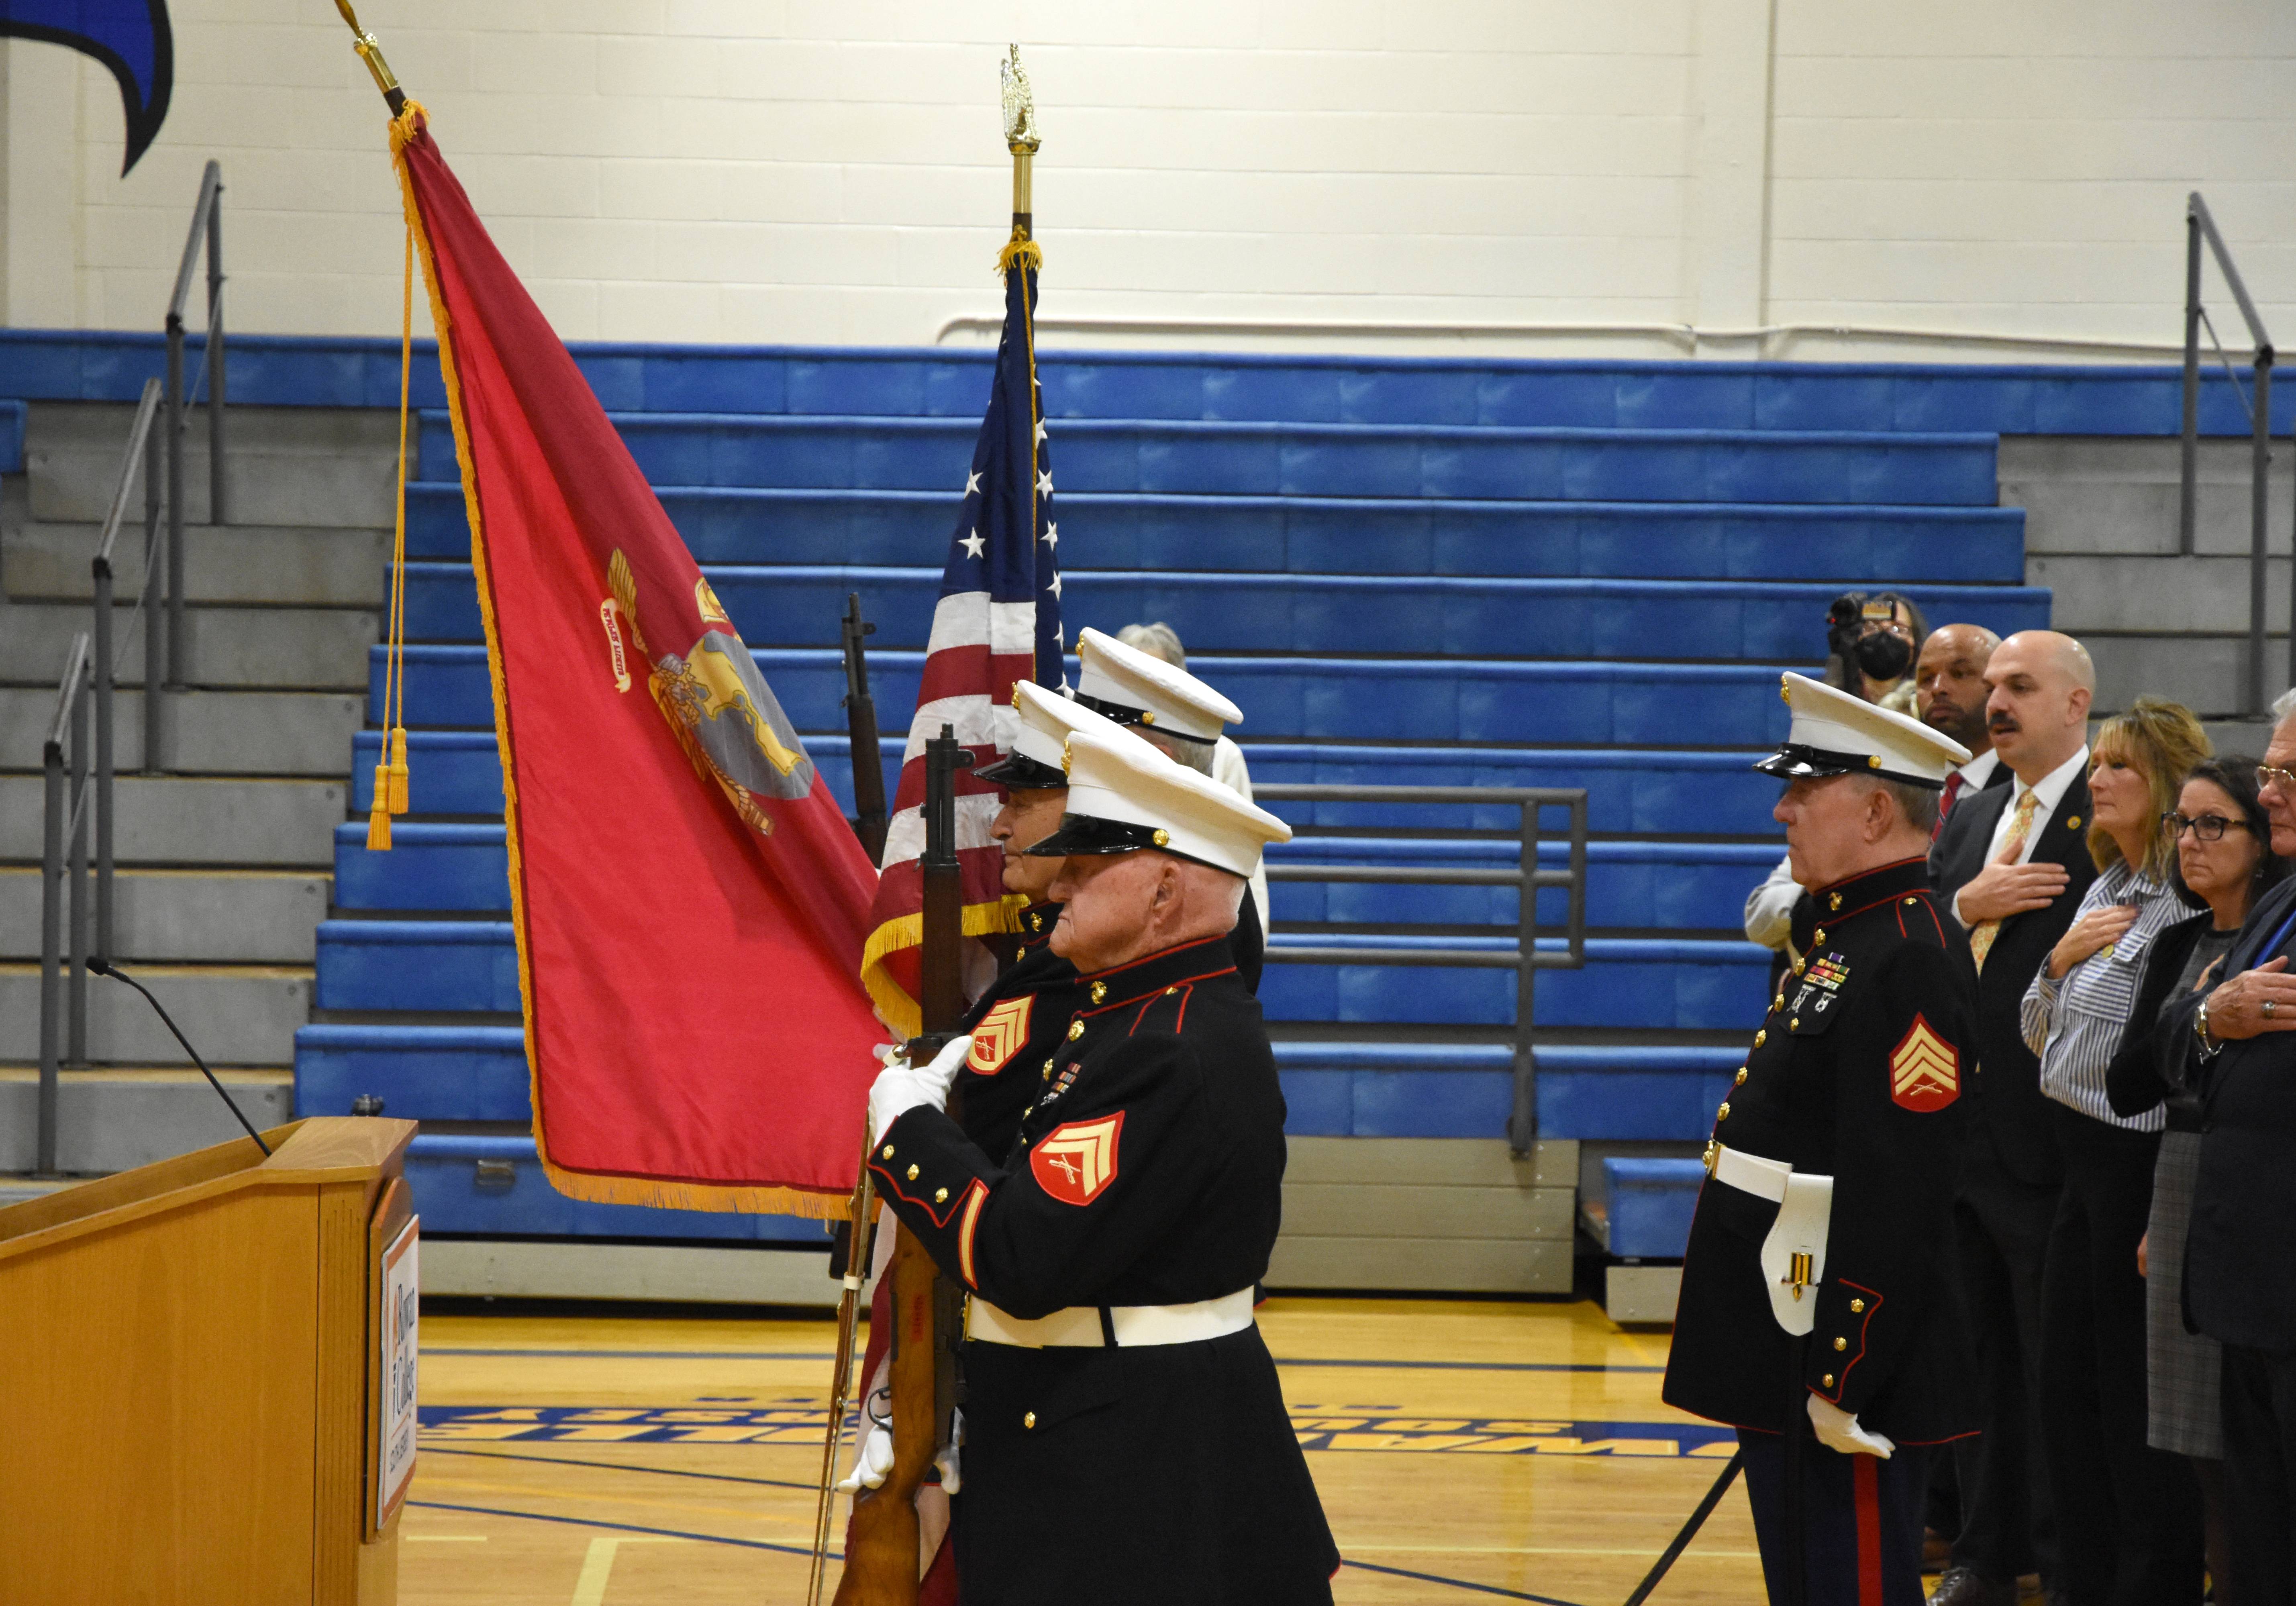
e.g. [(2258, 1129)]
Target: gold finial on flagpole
[(371, 53)]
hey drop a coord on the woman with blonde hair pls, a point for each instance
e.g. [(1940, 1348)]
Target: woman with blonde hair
[(2128, 1516)]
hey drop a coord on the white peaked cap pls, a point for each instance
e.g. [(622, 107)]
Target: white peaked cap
[(1835, 733), (1133, 688), (1047, 720), (1124, 795)]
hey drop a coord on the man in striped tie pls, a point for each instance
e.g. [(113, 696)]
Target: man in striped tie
[(2013, 862)]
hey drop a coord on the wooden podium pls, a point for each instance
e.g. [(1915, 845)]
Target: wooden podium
[(192, 1376)]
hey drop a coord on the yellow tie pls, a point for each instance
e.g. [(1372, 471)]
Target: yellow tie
[(2020, 826)]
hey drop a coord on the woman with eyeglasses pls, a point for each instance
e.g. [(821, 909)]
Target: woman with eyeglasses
[(2128, 1516), (2224, 860)]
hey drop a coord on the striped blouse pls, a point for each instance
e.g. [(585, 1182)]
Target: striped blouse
[(2076, 1023)]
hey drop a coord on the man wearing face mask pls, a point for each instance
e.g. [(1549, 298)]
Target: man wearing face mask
[(1871, 644)]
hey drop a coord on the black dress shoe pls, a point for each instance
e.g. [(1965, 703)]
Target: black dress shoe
[(1965, 1586)]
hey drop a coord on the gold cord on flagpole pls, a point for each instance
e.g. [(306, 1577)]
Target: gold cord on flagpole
[(390, 769)]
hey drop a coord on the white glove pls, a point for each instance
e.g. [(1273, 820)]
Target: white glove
[(952, 1477), (901, 1086), (1838, 1431), (876, 1459), (870, 1466)]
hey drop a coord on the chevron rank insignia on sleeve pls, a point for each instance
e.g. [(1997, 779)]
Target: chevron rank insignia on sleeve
[(1924, 1070), (999, 1036), (1076, 1161)]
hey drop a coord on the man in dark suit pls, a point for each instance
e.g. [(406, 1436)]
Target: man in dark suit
[(2239, 1276), (1950, 694), (2014, 862)]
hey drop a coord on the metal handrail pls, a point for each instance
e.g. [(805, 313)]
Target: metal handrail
[(1525, 958), (142, 446), (2200, 227), (67, 735), (207, 227)]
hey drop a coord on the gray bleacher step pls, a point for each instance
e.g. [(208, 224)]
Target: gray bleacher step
[(114, 1120), (2118, 593), (307, 649), (215, 733), (311, 566), (2208, 673), (2118, 494), (326, 466), (205, 917), (17, 1189), (189, 820), (233, 1015), (1426, 1213)]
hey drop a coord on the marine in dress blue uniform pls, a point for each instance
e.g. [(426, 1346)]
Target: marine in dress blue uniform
[(1831, 1173), (1126, 1438)]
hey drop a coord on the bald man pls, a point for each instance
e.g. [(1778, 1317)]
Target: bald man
[(1950, 694), (2014, 862)]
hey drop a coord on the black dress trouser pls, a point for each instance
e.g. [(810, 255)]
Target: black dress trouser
[(2001, 1232), (2259, 1475), (2128, 1516)]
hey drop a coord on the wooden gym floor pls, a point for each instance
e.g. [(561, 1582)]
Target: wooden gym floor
[(1465, 1451)]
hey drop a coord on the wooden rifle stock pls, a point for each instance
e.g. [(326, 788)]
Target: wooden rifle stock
[(861, 727), (882, 1563)]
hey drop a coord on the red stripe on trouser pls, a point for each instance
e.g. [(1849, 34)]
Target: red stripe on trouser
[(1867, 1473)]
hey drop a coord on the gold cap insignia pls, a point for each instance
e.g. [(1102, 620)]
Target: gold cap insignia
[(1147, 715), (1066, 758), (1786, 692), (1161, 838), (1873, 761)]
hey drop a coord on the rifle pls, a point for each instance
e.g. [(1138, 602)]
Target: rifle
[(882, 1563), (861, 725)]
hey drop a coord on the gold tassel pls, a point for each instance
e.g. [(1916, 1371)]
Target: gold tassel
[(1021, 251), (378, 818), (398, 770)]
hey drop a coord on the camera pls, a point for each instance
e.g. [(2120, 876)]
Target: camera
[(1880, 655)]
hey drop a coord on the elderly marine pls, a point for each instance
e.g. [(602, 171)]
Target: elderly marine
[(1126, 1438), (1817, 1293)]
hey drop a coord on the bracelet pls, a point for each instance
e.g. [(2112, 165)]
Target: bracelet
[(2208, 1045)]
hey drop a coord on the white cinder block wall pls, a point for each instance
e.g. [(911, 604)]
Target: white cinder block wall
[(1511, 175)]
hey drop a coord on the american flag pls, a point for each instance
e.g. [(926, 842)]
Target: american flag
[(998, 620)]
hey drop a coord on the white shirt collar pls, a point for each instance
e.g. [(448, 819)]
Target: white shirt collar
[(1979, 770), (2050, 790)]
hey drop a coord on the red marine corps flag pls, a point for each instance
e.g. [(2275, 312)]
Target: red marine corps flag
[(690, 902), (998, 620)]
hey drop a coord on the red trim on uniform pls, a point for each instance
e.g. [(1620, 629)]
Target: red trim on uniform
[(975, 1196), (1872, 1309), (1866, 1473), (1151, 997), (893, 1186), (1187, 991)]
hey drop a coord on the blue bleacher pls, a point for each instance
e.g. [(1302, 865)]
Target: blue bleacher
[(12, 414), (1433, 573)]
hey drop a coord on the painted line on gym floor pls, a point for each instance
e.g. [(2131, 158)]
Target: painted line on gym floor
[(1432, 1577), (826, 1355), (632, 1528), (1463, 1365), (615, 1466)]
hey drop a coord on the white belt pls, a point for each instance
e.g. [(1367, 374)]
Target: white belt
[(1749, 1172), (1078, 1327), (1794, 1254)]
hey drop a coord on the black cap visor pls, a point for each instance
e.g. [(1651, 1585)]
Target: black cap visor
[(1017, 771), (1124, 713), (1087, 834), (1797, 761)]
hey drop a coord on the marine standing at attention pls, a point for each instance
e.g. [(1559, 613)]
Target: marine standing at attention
[(1817, 1289), (1126, 1436)]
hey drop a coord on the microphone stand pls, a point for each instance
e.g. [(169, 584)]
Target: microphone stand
[(104, 967)]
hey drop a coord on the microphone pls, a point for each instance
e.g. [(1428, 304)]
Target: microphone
[(104, 967)]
